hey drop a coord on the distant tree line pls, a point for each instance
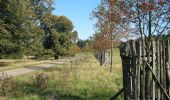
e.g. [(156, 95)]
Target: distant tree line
[(28, 27)]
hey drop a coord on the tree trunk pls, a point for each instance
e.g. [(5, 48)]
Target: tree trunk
[(56, 57)]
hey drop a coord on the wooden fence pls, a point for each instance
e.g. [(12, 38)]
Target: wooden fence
[(102, 57), (146, 70)]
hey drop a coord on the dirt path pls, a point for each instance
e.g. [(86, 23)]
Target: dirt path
[(25, 70)]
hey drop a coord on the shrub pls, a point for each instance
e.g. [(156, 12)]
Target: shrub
[(48, 53), (16, 88), (9, 49), (5, 81), (74, 49), (41, 80)]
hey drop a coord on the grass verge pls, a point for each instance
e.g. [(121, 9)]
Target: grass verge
[(82, 79)]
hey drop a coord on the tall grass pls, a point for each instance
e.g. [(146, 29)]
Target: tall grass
[(82, 79)]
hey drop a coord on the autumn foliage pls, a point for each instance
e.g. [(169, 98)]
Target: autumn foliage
[(101, 42), (74, 49)]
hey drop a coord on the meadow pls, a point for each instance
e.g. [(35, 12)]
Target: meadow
[(83, 79)]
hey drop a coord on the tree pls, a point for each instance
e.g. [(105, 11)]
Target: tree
[(150, 17), (59, 35), (21, 24), (81, 43), (111, 20), (101, 42), (27, 27), (17, 20), (84, 44), (73, 49), (100, 45), (42, 8)]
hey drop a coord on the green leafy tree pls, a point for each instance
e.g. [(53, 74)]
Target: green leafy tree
[(18, 27), (59, 30), (27, 27), (16, 20), (81, 43)]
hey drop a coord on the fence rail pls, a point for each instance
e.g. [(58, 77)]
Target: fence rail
[(146, 69)]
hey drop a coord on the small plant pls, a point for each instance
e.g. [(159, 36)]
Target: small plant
[(5, 81), (41, 80)]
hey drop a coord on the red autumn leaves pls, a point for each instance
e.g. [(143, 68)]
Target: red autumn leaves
[(150, 6), (112, 2), (102, 42), (161, 2), (146, 6)]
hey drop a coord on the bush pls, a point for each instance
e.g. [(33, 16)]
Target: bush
[(74, 49), (5, 81), (9, 49), (48, 53), (41, 80), (34, 49), (16, 88)]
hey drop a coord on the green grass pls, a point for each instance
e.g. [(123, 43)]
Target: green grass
[(83, 79), (116, 57)]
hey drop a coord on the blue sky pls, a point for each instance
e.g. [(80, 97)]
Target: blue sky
[(78, 11)]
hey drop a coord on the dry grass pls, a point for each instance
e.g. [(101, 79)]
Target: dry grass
[(83, 79), (14, 64)]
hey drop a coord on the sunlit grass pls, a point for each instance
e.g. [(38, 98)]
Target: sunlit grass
[(82, 79), (14, 64)]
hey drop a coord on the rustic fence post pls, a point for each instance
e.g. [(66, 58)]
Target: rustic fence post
[(124, 52), (164, 65), (146, 70), (134, 70), (158, 68), (153, 68), (147, 75), (128, 67), (161, 65), (168, 65), (139, 65), (142, 70)]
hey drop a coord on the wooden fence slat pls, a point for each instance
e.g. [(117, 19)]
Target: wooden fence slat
[(160, 86), (126, 78), (133, 70), (139, 63), (146, 70), (164, 65), (157, 69), (142, 77), (168, 65), (117, 94), (161, 69), (147, 75), (153, 68)]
